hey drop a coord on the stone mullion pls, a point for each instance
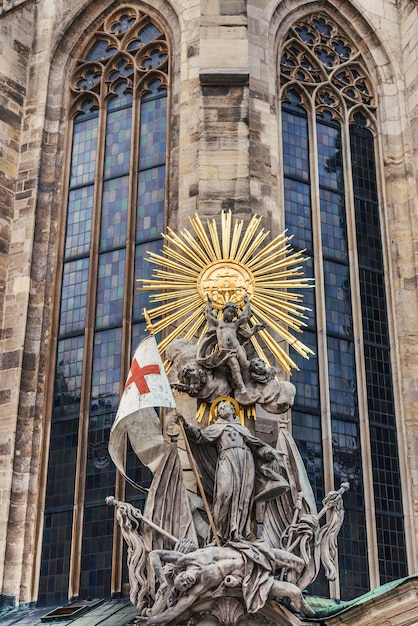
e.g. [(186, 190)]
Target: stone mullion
[(117, 548), (81, 463), (367, 470), (324, 395), (51, 367)]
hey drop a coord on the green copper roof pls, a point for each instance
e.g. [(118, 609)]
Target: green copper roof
[(122, 613), (324, 607), (110, 613)]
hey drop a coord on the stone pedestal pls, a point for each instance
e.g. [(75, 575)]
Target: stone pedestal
[(226, 608)]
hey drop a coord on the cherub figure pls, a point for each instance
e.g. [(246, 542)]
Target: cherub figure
[(225, 341)]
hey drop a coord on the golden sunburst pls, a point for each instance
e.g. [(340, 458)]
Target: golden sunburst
[(227, 266)]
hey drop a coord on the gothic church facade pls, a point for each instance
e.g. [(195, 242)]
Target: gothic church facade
[(119, 119)]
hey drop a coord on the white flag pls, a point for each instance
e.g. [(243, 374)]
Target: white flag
[(146, 387)]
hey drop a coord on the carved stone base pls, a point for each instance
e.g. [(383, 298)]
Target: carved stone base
[(229, 610)]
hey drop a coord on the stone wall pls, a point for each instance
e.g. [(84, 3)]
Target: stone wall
[(18, 177)]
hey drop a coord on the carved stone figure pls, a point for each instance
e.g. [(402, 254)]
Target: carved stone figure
[(275, 396), (130, 522), (260, 373), (237, 469), (188, 376), (193, 379), (193, 556), (249, 566), (169, 574), (228, 336)]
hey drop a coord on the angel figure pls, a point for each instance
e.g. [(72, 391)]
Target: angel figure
[(224, 342)]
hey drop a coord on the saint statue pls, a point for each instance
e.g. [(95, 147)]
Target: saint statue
[(237, 469), (179, 571)]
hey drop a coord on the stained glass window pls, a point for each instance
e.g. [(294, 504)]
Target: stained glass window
[(115, 213), (330, 189)]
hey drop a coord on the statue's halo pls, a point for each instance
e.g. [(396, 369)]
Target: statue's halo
[(213, 407)]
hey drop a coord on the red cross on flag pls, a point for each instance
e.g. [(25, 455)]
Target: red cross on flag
[(146, 387)]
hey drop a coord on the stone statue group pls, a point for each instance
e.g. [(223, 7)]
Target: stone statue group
[(190, 546)]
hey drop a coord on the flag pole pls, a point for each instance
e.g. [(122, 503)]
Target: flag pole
[(199, 481), (111, 501)]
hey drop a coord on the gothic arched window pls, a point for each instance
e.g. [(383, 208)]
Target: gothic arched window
[(114, 203), (344, 415)]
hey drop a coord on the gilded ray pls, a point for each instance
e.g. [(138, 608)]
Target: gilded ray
[(225, 261), (226, 221), (213, 230), (235, 238), (248, 235), (204, 239)]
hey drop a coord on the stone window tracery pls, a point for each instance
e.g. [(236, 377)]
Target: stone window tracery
[(345, 402), (114, 206)]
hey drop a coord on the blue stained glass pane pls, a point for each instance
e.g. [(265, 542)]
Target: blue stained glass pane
[(96, 552), (110, 288), (379, 387), (62, 464), (369, 243), (78, 235), (298, 213), (123, 97), (387, 480), (153, 58), (138, 332), (106, 371), (380, 400), (83, 156), (373, 301), (151, 197), (146, 34), (346, 449), (101, 50), (353, 555), (330, 157), (68, 377), (143, 269), (74, 296), (391, 547), (118, 143), (154, 90), (306, 430), (342, 378), (55, 568), (124, 23), (295, 146), (333, 226), (114, 213), (306, 380), (338, 299), (153, 133), (100, 474), (293, 101), (364, 164)]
